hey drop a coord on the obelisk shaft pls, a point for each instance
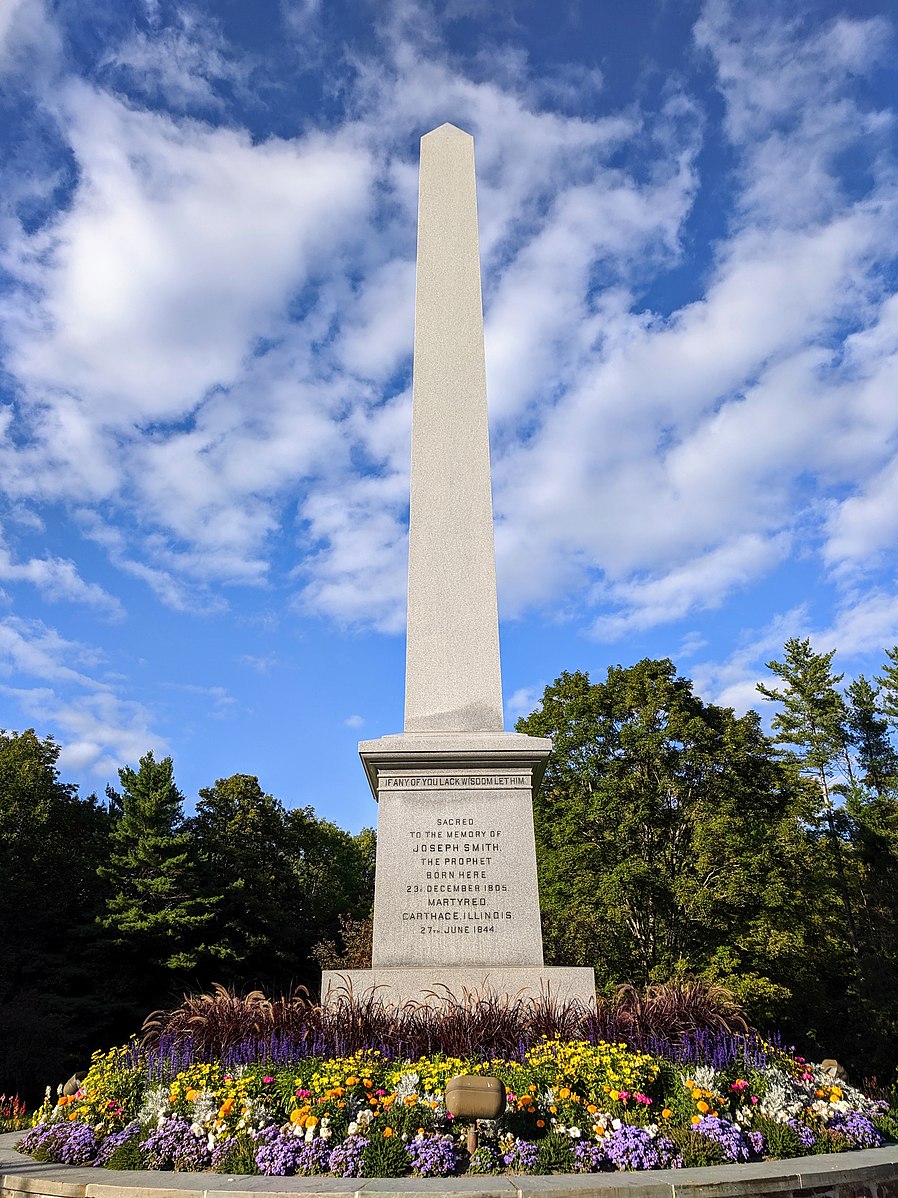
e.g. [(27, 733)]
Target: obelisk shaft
[(453, 680)]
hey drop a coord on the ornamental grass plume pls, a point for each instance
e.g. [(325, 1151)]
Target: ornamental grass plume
[(238, 1029)]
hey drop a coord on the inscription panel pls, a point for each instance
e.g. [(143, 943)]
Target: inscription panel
[(456, 869)]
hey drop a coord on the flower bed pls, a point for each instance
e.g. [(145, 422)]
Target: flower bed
[(572, 1107)]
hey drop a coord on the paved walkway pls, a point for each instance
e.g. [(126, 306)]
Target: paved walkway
[(843, 1175)]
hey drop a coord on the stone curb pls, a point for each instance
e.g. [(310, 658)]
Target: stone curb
[(873, 1171)]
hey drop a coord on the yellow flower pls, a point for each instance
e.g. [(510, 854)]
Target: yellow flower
[(297, 1117), (192, 1095), (614, 1095)]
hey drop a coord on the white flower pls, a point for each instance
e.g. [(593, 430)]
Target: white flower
[(352, 1129), (196, 1129), (326, 1133), (616, 1124), (310, 1135), (574, 1132)]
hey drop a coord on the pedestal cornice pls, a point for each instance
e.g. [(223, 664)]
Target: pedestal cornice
[(439, 750)]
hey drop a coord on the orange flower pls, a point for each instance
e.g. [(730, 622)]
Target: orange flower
[(192, 1095), (540, 1123), (297, 1117), (352, 1081), (564, 1092), (592, 1108), (73, 1115), (696, 1118), (311, 1121), (666, 1113), (703, 1107), (388, 1131)]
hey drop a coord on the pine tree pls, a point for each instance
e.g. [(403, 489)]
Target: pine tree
[(156, 909), (888, 684), (814, 722), (869, 733)]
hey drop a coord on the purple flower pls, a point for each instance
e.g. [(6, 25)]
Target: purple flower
[(433, 1156), (758, 1143), (588, 1157), (70, 1143), (314, 1158), (111, 1143), (346, 1158), (804, 1133), (522, 1156), (277, 1154), (635, 1148), (176, 1146), (221, 1152), (735, 1145), (856, 1128)]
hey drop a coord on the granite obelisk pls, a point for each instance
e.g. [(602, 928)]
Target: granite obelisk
[(456, 903)]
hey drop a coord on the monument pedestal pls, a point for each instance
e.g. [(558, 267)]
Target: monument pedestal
[(456, 903), (432, 986)]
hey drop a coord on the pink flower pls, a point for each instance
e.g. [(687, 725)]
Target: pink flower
[(754, 1098), (267, 1081)]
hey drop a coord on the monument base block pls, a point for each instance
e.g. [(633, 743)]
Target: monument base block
[(433, 985)]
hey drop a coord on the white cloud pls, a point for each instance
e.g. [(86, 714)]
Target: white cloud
[(212, 339), (523, 701), (354, 721), (58, 579), (97, 727), (180, 62)]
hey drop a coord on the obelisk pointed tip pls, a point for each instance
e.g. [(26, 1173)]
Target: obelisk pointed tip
[(447, 130)]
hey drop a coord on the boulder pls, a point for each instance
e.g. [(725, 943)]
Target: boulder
[(834, 1069)]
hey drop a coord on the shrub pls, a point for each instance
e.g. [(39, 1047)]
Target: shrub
[(386, 1156), (556, 1153)]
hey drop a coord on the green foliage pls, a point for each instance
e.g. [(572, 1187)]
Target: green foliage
[(665, 831), (386, 1156), (53, 960), (556, 1153), (485, 1161), (241, 1159), (782, 1140), (698, 1151), (128, 1156), (156, 910)]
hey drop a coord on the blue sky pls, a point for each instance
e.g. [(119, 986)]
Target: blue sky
[(689, 222)]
